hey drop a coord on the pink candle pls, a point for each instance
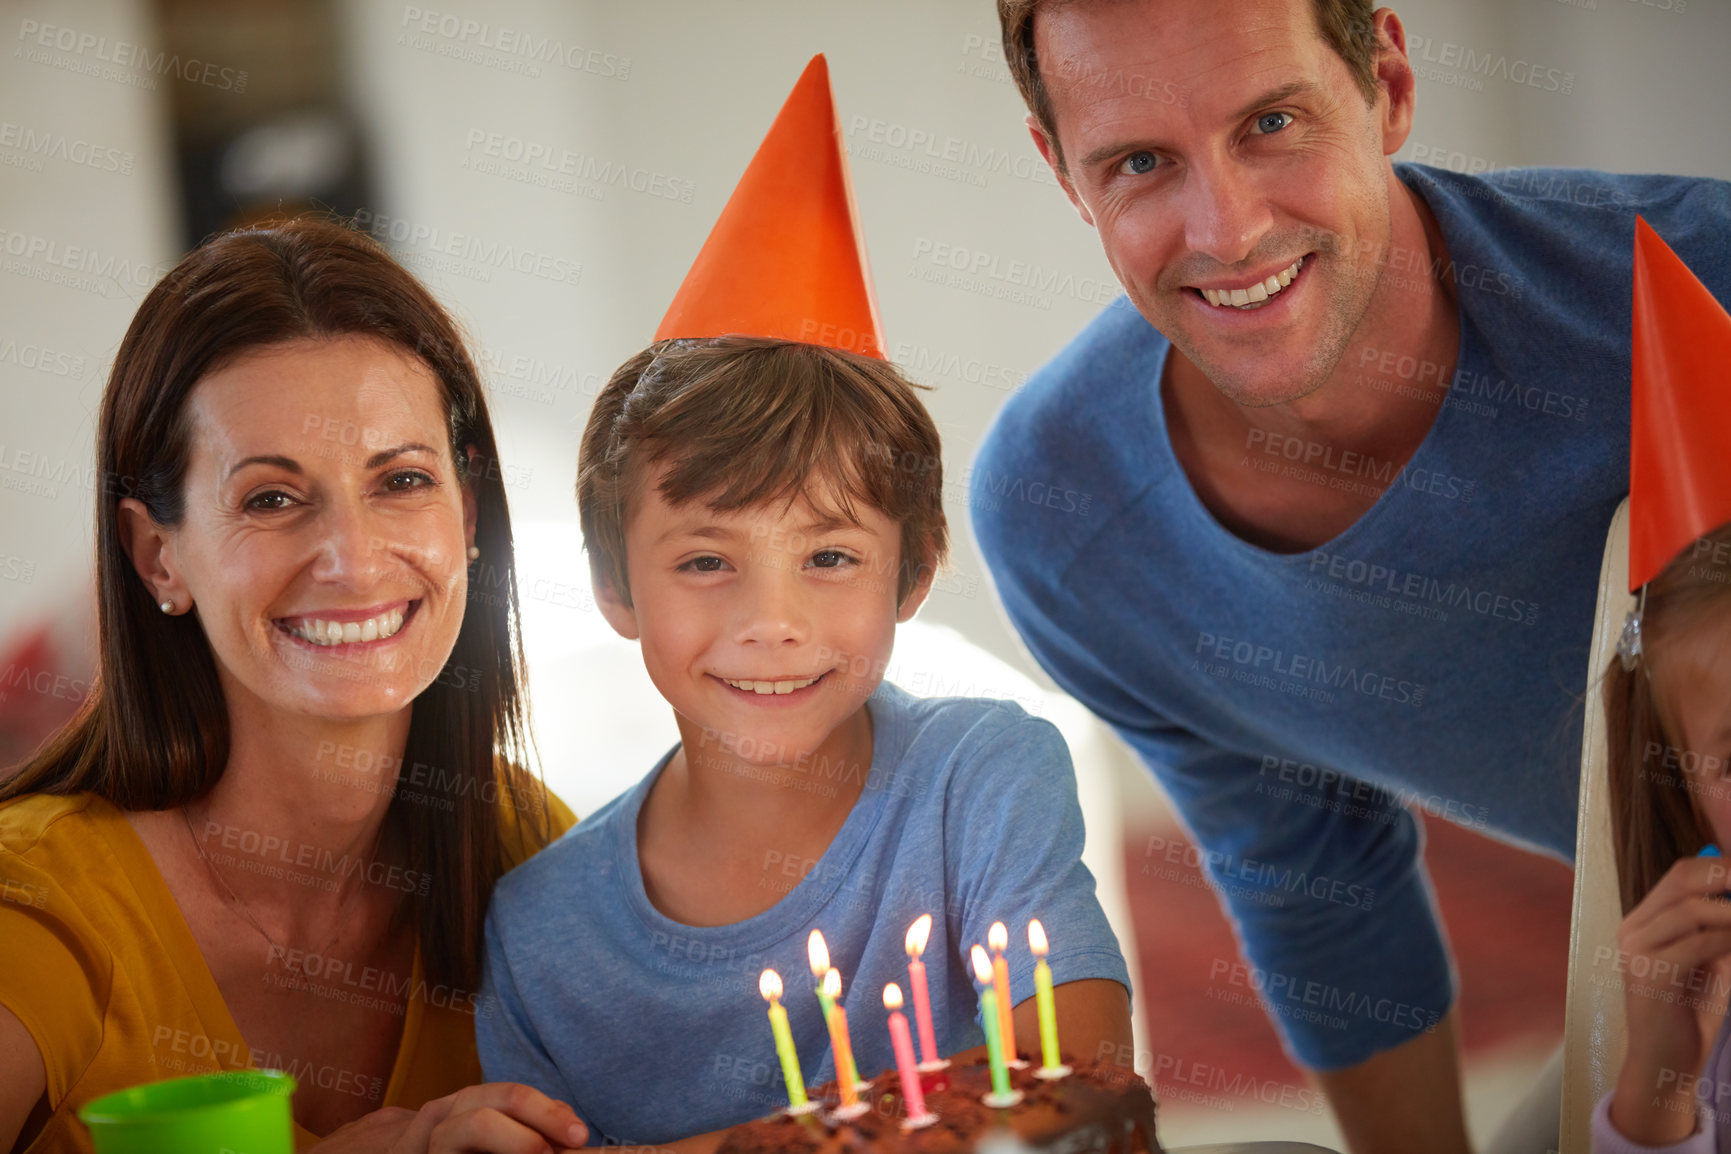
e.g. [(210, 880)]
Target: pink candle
[(918, 934), (905, 1067)]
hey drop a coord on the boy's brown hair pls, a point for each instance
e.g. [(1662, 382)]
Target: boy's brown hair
[(742, 421), (1654, 819)]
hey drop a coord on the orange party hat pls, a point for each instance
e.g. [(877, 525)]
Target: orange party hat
[(1679, 470), (787, 259)]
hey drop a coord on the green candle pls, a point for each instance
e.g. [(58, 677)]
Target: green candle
[(769, 985), (1001, 1094), (818, 952)]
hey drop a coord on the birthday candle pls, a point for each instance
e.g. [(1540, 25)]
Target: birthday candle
[(989, 1019), (818, 952), (1049, 1061), (918, 934), (845, 1076), (904, 1048), (999, 939), (769, 985)]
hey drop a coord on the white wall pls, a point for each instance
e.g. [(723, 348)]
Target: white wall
[(1648, 93), (86, 224)]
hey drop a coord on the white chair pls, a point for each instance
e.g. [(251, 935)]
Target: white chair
[(1593, 1020)]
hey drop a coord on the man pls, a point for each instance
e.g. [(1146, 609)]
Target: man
[(1351, 444)]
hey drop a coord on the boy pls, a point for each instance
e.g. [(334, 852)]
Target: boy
[(761, 511)]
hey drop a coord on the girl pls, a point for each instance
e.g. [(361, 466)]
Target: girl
[(1668, 713)]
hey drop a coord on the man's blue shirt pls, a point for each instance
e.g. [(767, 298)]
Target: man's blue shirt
[(1432, 655), (653, 1030)]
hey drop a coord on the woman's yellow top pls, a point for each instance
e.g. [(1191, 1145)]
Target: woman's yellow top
[(98, 964)]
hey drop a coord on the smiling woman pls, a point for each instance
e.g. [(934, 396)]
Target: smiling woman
[(270, 836)]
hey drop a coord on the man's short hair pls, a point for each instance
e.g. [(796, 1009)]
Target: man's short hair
[(1346, 25), (744, 421)]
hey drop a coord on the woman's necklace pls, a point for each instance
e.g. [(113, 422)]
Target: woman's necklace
[(245, 911)]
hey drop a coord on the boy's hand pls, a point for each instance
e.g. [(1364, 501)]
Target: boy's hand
[(1674, 952), (493, 1118)]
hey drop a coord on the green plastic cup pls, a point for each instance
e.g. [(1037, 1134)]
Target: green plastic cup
[(234, 1112)]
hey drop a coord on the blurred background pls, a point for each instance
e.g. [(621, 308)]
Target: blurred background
[(594, 144)]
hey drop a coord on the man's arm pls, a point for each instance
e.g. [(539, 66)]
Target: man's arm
[(1402, 1101), (1323, 879), (1338, 926), (1331, 909)]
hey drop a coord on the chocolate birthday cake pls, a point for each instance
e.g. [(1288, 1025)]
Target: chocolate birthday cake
[(1099, 1107)]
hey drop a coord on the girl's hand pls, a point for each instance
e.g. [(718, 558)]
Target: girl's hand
[(493, 1118), (1674, 953)]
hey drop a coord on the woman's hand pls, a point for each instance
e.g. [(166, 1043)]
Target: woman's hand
[(1674, 953), (493, 1118)]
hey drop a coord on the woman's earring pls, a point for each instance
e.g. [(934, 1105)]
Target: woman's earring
[(474, 552), (167, 607)]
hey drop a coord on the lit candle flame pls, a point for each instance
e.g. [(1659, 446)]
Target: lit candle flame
[(918, 933), (818, 952), (998, 938), (892, 997), (832, 983), (769, 985), (982, 966), (1037, 938)]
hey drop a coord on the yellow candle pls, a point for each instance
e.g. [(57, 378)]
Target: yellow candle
[(999, 939), (769, 985), (1051, 1065)]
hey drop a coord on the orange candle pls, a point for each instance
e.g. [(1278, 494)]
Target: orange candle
[(846, 1079), (998, 937)]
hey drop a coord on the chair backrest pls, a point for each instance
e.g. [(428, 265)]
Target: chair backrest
[(1593, 1021)]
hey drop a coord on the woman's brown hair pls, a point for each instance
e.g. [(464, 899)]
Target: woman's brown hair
[(1651, 773), (153, 733)]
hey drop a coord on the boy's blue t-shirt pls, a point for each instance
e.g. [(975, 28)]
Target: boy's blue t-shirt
[(653, 1030)]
